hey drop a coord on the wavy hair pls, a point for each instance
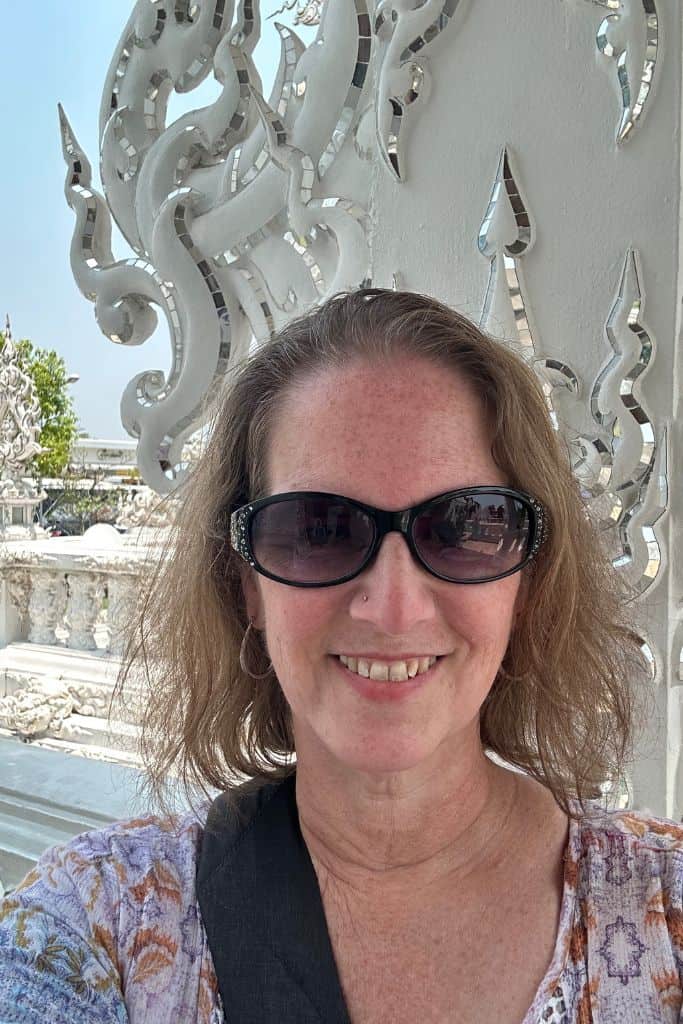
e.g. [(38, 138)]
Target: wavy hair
[(561, 707)]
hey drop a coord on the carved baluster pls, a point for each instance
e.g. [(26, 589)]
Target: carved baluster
[(19, 590), (86, 590), (123, 594), (46, 606)]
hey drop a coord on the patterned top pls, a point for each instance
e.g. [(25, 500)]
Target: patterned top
[(107, 928)]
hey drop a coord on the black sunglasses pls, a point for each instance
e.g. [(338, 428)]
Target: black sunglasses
[(312, 539)]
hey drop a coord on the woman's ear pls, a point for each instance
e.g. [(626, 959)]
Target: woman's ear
[(252, 596)]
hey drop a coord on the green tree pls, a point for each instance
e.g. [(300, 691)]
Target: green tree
[(58, 422)]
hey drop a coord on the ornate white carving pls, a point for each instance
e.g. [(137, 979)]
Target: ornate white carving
[(194, 448), (19, 413), (308, 12), (85, 591), (47, 603), (123, 595), (19, 589), (505, 235), (205, 203), (39, 705), (342, 219), (630, 36), (632, 491), (19, 430), (89, 700), (403, 28), (146, 509)]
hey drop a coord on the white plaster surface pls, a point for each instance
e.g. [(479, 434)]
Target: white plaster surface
[(47, 797)]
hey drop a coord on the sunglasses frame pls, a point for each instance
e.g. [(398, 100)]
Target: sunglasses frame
[(385, 522)]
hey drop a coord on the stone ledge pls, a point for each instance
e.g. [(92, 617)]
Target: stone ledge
[(45, 659), (47, 797)]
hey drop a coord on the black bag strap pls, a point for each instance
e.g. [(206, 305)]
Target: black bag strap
[(263, 914)]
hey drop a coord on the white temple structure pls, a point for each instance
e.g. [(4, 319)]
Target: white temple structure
[(520, 161), (19, 430)]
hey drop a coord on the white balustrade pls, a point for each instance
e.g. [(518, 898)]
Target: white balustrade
[(19, 589), (60, 652), (47, 602), (75, 592)]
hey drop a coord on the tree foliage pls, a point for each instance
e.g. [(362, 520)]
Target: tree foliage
[(58, 422)]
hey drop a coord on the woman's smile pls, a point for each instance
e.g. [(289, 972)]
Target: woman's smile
[(383, 685)]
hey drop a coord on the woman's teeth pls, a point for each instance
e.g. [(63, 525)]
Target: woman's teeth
[(388, 671)]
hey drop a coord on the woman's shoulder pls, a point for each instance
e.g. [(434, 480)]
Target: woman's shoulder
[(127, 852), (624, 872), (641, 832), (111, 911), (628, 865)]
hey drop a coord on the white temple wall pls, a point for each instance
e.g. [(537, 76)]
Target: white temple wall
[(572, 253), (528, 75)]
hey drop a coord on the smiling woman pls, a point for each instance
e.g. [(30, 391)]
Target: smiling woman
[(384, 606), (388, 399)]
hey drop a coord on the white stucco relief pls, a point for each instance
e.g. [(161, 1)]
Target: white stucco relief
[(629, 37)]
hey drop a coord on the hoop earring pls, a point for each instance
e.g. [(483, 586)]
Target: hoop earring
[(243, 660)]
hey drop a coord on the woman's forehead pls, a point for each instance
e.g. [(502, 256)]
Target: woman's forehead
[(405, 427)]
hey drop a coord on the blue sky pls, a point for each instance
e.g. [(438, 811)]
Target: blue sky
[(55, 51)]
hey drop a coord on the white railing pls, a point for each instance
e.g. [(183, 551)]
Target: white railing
[(64, 607), (73, 592)]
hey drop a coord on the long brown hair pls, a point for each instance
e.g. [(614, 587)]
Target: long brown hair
[(561, 706)]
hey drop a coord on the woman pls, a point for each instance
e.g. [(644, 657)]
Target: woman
[(382, 564)]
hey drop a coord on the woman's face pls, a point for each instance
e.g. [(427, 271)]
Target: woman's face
[(390, 435)]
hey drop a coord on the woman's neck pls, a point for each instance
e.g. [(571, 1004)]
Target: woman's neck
[(396, 838)]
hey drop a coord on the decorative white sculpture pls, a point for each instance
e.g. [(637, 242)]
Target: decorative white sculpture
[(39, 705), (19, 411), (225, 209), (19, 431), (629, 35), (308, 12), (145, 509)]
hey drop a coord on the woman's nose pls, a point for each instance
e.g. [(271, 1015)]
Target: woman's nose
[(399, 591)]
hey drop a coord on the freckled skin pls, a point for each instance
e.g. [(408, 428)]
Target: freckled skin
[(381, 785), (393, 436), (427, 854)]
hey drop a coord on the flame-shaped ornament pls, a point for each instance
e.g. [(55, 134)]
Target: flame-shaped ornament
[(635, 485), (629, 35), (403, 29), (218, 206), (505, 236)]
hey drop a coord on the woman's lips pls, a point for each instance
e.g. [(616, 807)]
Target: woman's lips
[(388, 690)]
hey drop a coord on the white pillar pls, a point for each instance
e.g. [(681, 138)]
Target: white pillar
[(84, 604), (46, 605), (18, 590), (9, 618), (123, 594)]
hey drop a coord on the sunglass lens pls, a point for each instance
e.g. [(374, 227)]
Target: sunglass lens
[(311, 540), (474, 537)]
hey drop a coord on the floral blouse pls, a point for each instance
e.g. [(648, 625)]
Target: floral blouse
[(107, 928)]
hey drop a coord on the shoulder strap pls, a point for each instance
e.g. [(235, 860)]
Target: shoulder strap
[(263, 914)]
